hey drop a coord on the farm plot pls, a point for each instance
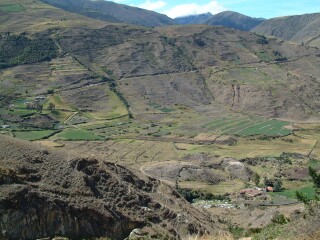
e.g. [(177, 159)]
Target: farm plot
[(248, 126), (78, 135), (130, 153), (11, 8), (34, 135)]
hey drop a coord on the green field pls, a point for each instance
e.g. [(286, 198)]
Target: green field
[(11, 8), (308, 192), (249, 126), (34, 135), (78, 134)]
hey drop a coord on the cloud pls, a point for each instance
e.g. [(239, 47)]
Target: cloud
[(152, 5), (194, 8)]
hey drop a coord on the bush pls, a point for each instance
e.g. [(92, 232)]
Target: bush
[(262, 40)]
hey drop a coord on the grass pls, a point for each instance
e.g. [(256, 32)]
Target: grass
[(12, 8), (161, 108), (78, 135), (34, 135), (59, 103), (308, 192), (314, 163), (249, 126)]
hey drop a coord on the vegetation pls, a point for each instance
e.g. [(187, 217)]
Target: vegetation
[(11, 8), (78, 135), (34, 135), (307, 192), (113, 87), (249, 127), (192, 195), (19, 49)]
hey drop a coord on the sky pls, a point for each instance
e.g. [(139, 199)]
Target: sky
[(253, 8)]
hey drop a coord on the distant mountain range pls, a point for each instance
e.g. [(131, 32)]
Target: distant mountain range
[(194, 19), (303, 29), (227, 19), (234, 20), (113, 12)]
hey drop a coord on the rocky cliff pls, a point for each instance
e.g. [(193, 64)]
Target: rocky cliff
[(46, 193)]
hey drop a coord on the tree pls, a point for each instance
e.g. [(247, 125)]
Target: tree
[(315, 177), (277, 185), (51, 106), (267, 182), (38, 107), (256, 179)]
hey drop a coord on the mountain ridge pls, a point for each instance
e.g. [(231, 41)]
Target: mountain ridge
[(229, 19), (194, 19), (113, 12), (302, 29), (234, 20)]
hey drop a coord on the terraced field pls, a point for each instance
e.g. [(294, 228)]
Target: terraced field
[(11, 8), (34, 135), (249, 126)]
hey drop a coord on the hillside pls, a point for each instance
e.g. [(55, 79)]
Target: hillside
[(112, 12), (302, 29), (86, 197), (194, 19), (234, 20), (217, 114)]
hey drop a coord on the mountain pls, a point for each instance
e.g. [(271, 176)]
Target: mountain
[(207, 110), (194, 19), (302, 29), (212, 58), (234, 20), (112, 12), (84, 198)]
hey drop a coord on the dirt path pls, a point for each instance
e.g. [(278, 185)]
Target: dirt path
[(70, 117)]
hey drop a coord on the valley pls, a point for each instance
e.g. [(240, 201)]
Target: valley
[(203, 112)]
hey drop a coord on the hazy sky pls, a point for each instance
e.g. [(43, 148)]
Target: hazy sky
[(254, 8)]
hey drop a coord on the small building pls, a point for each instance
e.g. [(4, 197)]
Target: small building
[(5, 126), (269, 189), (250, 192), (41, 97)]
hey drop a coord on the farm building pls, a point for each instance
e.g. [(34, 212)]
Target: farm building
[(269, 189)]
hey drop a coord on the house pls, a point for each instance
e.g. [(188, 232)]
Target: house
[(250, 192), (269, 189), (40, 97)]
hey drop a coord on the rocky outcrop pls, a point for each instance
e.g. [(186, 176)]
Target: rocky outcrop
[(46, 194)]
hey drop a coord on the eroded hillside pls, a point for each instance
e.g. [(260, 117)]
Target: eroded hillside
[(47, 193)]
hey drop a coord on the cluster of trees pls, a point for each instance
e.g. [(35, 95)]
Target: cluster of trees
[(315, 177), (275, 183), (19, 49)]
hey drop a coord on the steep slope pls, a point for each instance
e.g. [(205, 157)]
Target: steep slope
[(28, 16), (194, 19), (113, 12), (234, 20), (302, 29), (45, 193), (199, 65)]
